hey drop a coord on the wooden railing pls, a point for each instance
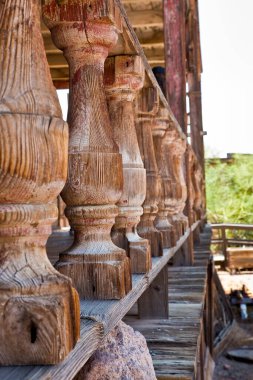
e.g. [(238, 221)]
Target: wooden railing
[(221, 239), (121, 173)]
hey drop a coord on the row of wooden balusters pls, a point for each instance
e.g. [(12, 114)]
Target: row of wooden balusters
[(121, 170)]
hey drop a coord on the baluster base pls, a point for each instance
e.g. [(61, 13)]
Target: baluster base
[(162, 224), (147, 230), (137, 248), (98, 268), (39, 309)]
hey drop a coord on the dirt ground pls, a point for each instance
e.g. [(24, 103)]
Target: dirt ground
[(225, 368)]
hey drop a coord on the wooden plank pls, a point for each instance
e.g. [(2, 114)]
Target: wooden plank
[(177, 344), (154, 301), (91, 335), (111, 312), (231, 226)]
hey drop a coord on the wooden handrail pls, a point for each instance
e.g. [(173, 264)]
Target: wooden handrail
[(234, 259), (230, 226)]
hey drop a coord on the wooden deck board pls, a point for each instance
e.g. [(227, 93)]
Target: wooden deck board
[(173, 343), (97, 319)]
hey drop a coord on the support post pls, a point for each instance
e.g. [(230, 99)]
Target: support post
[(194, 83), (85, 31), (175, 58), (39, 309), (175, 62), (224, 245), (153, 304), (124, 76)]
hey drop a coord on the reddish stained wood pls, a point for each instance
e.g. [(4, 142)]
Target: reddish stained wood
[(85, 31), (194, 82), (194, 88), (159, 127), (175, 58), (124, 76), (61, 84), (39, 309)]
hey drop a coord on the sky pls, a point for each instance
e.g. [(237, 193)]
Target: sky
[(226, 28)]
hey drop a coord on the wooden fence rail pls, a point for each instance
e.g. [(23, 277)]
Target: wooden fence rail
[(237, 252)]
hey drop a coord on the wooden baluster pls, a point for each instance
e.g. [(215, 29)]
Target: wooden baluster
[(159, 127), (62, 220), (191, 197), (39, 309), (172, 203), (85, 31), (124, 76), (179, 148), (198, 189), (147, 106)]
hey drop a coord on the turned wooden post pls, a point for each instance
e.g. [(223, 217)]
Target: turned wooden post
[(124, 76), (197, 203), (176, 198), (147, 107), (85, 31), (62, 220), (179, 149), (39, 309), (159, 127), (191, 196)]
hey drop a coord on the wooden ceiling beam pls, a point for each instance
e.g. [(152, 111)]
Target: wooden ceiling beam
[(61, 74), (56, 59), (136, 6)]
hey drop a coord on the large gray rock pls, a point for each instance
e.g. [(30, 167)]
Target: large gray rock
[(123, 356)]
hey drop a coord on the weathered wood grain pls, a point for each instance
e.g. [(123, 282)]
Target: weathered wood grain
[(39, 309), (177, 344), (175, 58), (159, 126), (147, 106), (85, 31), (174, 149), (98, 317), (154, 301), (124, 76)]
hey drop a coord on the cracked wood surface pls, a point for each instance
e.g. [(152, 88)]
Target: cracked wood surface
[(85, 31), (124, 77), (39, 309), (98, 318)]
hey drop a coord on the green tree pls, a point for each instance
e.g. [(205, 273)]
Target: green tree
[(229, 187)]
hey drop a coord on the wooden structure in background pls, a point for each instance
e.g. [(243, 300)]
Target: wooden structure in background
[(131, 171), (237, 252)]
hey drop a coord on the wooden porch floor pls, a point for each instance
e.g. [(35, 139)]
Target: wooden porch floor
[(174, 343)]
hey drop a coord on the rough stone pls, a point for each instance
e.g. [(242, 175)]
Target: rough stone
[(124, 355)]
